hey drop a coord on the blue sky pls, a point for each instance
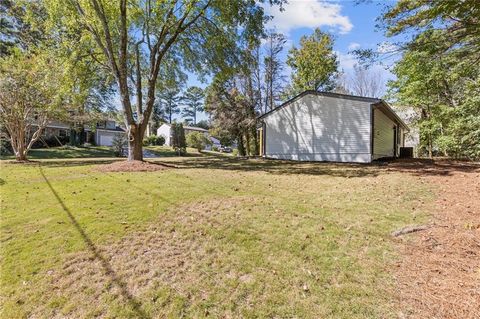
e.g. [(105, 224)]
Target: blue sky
[(351, 24)]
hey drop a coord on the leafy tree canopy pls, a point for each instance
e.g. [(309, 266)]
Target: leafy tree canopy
[(314, 63), (437, 75), (197, 140), (133, 40), (456, 23), (30, 95)]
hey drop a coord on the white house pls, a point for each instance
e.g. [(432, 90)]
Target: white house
[(322, 126), (215, 143), (106, 131), (165, 130)]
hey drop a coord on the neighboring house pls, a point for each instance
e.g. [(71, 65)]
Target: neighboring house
[(56, 129), (60, 131), (106, 131), (165, 130), (103, 135), (410, 116), (190, 129), (214, 143), (321, 126)]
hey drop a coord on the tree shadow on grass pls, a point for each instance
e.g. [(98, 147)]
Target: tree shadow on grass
[(428, 167), (281, 167), (211, 161), (417, 167), (135, 304)]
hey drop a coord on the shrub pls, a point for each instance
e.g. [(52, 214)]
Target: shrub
[(215, 149), (119, 144), (235, 152), (160, 141), (178, 138), (197, 140), (5, 147), (153, 140), (51, 141)]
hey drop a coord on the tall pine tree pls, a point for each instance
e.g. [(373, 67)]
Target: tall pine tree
[(193, 103)]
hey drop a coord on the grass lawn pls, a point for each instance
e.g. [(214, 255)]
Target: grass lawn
[(167, 151), (214, 237), (68, 152)]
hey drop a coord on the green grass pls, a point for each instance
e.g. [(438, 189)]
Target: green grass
[(68, 152), (214, 237), (167, 151)]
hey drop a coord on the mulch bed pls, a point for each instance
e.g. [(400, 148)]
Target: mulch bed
[(438, 275), (131, 166)]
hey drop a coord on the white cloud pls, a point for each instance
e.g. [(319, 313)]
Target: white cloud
[(353, 46), (346, 61), (309, 14)]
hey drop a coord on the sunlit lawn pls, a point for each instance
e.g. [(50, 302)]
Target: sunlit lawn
[(66, 152), (215, 237)]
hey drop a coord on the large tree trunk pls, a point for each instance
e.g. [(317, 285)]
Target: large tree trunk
[(240, 146), (248, 150), (21, 158), (430, 147), (19, 148), (20, 138), (21, 155), (255, 140), (81, 135), (135, 148)]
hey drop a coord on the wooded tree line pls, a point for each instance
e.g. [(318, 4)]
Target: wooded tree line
[(437, 74), (143, 50)]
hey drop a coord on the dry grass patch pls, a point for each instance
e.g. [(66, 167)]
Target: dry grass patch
[(131, 166), (197, 260)]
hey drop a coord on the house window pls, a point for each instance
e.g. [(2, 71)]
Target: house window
[(110, 124), (62, 133)]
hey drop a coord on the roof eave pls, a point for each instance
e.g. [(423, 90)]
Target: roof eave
[(331, 94), (393, 113)]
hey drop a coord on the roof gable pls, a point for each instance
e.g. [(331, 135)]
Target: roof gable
[(319, 93), (373, 101)]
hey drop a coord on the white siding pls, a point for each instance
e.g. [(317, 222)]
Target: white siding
[(105, 138), (383, 135), (164, 130), (320, 128)]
